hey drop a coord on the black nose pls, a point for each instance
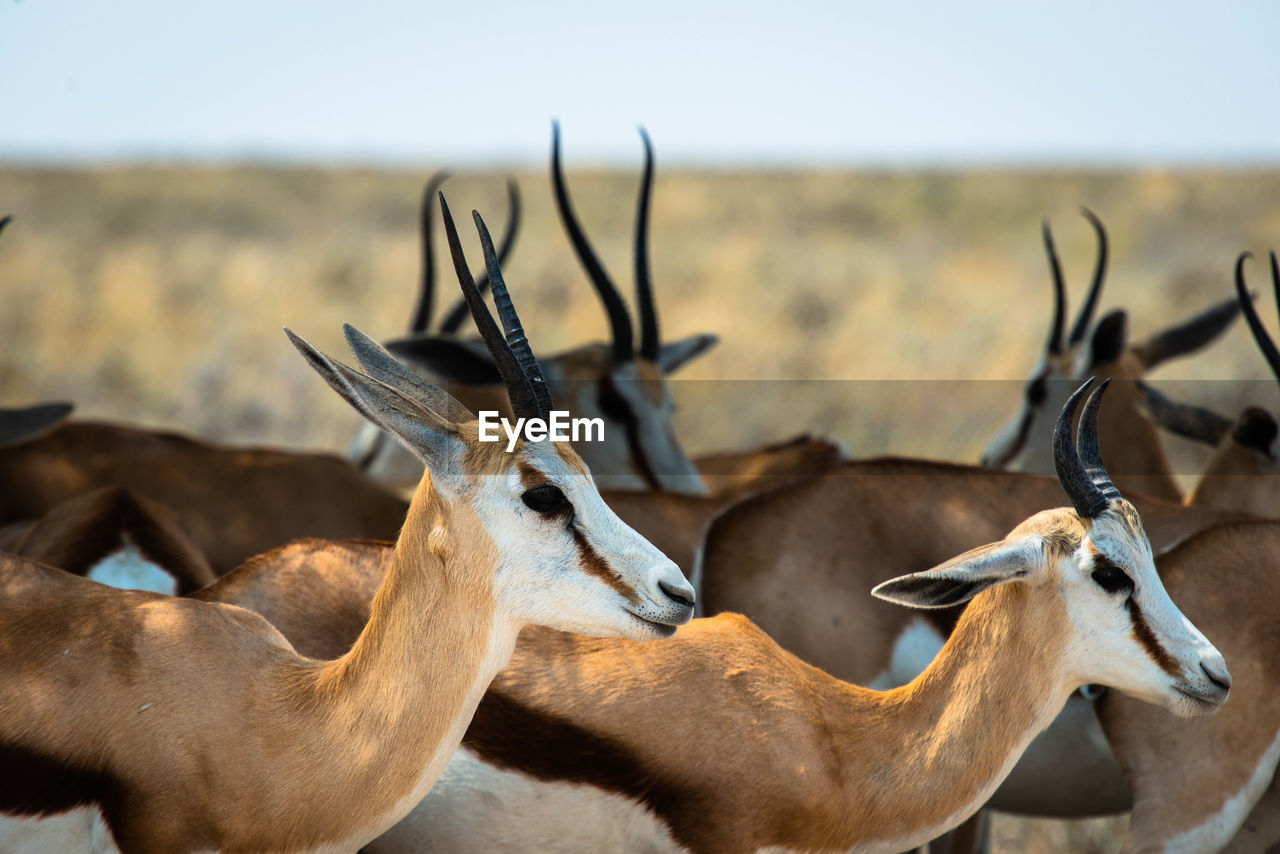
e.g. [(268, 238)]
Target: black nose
[(677, 595), (1218, 675)]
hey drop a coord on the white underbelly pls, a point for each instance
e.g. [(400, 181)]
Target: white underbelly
[(77, 831), (476, 808)]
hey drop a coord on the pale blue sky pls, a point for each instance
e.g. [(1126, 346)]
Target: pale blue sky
[(727, 83)]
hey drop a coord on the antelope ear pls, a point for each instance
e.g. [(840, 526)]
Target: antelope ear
[(1188, 336), (429, 435), (1108, 339), (1187, 420), (961, 578), (673, 356), (461, 360)]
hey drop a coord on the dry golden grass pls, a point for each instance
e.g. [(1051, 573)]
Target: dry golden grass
[(156, 295)]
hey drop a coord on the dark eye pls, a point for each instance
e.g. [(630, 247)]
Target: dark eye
[(1037, 391), (547, 500), (1112, 579), (612, 404)]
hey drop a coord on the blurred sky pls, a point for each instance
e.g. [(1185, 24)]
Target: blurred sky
[(727, 83)]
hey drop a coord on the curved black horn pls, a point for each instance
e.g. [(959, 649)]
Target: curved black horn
[(1095, 288), (5, 220), (1085, 496), (540, 405), (519, 388), (1087, 444), (1054, 345), (422, 312), (1265, 344), (619, 319), (453, 320), (650, 342)]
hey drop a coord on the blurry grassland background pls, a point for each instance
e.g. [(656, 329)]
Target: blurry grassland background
[(156, 295)]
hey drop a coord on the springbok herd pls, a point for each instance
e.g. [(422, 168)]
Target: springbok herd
[(215, 648)]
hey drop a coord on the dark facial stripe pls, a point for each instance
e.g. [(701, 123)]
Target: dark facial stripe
[(1147, 639), (592, 564), (616, 407), (530, 477)]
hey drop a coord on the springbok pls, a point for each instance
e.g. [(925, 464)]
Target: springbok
[(1241, 475), (586, 745), (1138, 458), (196, 726), (796, 561), (618, 383)]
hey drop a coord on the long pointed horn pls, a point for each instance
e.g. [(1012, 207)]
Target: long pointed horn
[(1095, 288), (650, 342), (1087, 444), (539, 405), (1085, 496), (619, 319), (422, 312), (1265, 344), (1054, 346), (5, 220), (453, 320), (519, 389)]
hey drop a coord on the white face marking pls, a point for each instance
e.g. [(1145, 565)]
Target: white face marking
[(612, 461), (1107, 649), (130, 569), (1025, 443), (1222, 825), (476, 808), (541, 578)]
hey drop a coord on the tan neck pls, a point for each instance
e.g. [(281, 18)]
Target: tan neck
[(376, 727), (924, 756)]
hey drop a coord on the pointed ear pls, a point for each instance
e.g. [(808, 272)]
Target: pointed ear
[(19, 425), (1188, 336), (1108, 339), (1197, 423), (961, 578), (380, 365), (430, 436), (461, 360), (672, 356)]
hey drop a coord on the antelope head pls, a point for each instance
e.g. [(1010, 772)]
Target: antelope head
[(1090, 570), (1246, 447), (561, 556), (1098, 350), (620, 384)]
